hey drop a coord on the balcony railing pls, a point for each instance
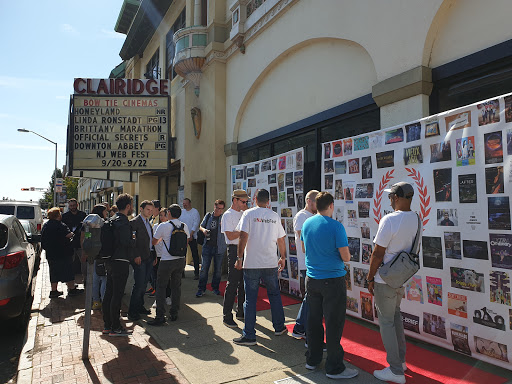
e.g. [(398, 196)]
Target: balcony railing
[(253, 5)]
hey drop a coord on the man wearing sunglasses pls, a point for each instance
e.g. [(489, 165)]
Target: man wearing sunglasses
[(235, 284)]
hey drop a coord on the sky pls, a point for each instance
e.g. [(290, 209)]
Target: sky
[(46, 44)]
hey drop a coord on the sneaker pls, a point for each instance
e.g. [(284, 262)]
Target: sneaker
[(153, 305), (156, 321), (200, 293), (299, 335), (404, 366), (144, 311), (386, 375), (346, 374), (133, 317), (168, 301), (120, 332), (216, 291), (244, 341), (324, 348), (281, 332), (230, 323), (150, 291), (75, 292), (240, 316), (106, 330), (310, 367), (96, 305), (54, 294)]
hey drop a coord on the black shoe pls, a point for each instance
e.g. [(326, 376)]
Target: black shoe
[(75, 292), (133, 317), (230, 323), (244, 341), (173, 317), (196, 277), (120, 332), (240, 316), (157, 321), (54, 294), (144, 311)]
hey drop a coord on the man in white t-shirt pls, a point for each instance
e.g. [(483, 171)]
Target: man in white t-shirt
[(170, 267), (191, 217), (396, 233), (261, 233), (235, 284), (299, 330)]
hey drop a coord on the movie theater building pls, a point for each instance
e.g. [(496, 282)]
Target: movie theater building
[(253, 79)]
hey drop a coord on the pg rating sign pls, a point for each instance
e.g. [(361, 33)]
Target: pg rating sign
[(119, 132)]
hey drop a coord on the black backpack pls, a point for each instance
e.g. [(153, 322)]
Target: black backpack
[(108, 242), (179, 241)]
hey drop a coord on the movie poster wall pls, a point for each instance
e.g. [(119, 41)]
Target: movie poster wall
[(283, 177), (460, 164)]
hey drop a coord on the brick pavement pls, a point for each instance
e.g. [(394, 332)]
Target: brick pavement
[(57, 352)]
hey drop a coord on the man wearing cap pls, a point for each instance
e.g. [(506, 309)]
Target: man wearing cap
[(396, 233), (235, 282)]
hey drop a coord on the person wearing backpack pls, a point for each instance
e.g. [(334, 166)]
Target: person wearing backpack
[(174, 235), (214, 247)]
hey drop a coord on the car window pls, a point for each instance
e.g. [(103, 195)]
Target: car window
[(26, 226), (25, 212), (20, 232), (4, 235), (7, 209)]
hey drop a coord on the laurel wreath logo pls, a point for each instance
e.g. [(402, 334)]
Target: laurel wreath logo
[(423, 193), (378, 195)]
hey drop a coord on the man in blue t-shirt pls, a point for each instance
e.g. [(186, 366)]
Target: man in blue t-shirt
[(326, 246)]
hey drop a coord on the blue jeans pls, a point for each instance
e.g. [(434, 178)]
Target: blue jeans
[(301, 323), (99, 284), (252, 284), (141, 275), (208, 254)]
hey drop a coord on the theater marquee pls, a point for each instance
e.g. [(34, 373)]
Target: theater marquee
[(119, 125)]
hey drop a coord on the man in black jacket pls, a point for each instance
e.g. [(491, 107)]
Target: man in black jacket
[(73, 219), (118, 267)]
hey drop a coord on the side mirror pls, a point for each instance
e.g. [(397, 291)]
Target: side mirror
[(34, 239)]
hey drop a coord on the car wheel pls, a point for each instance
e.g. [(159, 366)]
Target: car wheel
[(20, 322)]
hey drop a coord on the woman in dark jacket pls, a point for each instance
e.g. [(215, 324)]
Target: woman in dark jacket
[(55, 239)]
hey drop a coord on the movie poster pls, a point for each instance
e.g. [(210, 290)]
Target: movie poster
[(491, 348), (340, 167), (458, 121), (465, 151), (499, 287), (443, 184), (499, 212), (411, 322), (467, 279), (337, 148), (494, 180), (414, 289), (458, 305), (493, 147), (413, 155), (339, 214), (366, 253), (413, 132), (352, 304), (354, 248), (435, 290), (489, 112), (294, 264), (347, 147), (366, 306), (361, 143), (364, 191), (364, 209), (338, 190), (353, 166), (385, 159), (447, 218), (467, 189), (460, 338), (348, 280), (431, 127), (328, 181), (475, 249), (489, 318), (432, 252), (360, 277), (452, 245), (501, 250), (366, 167), (440, 152), (434, 324), (394, 136)]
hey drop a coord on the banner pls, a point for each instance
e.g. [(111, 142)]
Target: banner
[(283, 177), (460, 164)]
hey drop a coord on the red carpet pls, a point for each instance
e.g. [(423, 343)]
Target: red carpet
[(363, 348), (262, 303)]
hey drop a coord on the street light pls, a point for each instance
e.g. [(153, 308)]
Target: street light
[(55, 171)]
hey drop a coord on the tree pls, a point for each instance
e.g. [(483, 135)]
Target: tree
[(71, 185)]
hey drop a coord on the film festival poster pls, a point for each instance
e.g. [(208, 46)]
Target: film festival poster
[(361, 143), (432, 127), (434, 325), (272, 178), (300, 201), (338, 189), (273, 194), (337, 148), (266, 166), (329, 181), (347, 147), (366, 253), (286, 212), (414, 289), (293, 249), (489, 318), (352, 304), (376, 140), (465, 151), (493, 147), (411, 322), (282, 163), (443, 184), (299, 181), (364, 209), (250, 171), (284, 284), (413, 132), (290, 196), (501, 250), (385, 159), (366, 167), (447, 217), (452, 245), (282, 198), (458, 305), (394, 136), (474, 249), (354, 248), (289, 179), (435, 290), (284, 272), (289, 226), (440, 152), (340, 167), (327, 151), (460, 339), (339, 214), (467, 279), (294, 266), (298, 160), (348, 190), (352, 218), (499, 287), (432, 252), (348, 280), (498, 212), (366, 306), (280, 182), (353, 166), (413, 155), (491, 348), (290, 161), (328, 166), (458, 121), (509, 142), (251, 183), (365, 231), (489, 112), (508, 110), (494, 183), (274, 164), (467, 189), (360, 277), (295, 288), (364, 191)]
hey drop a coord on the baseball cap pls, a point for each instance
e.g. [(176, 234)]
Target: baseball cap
[(240, 194), (401, 189)]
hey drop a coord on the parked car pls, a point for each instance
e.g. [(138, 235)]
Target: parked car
[(31, 230), (24, 210), (17, 270)]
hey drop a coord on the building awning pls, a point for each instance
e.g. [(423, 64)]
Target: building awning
[(146, 21), (126, 15), (100, 185), (118, 72)]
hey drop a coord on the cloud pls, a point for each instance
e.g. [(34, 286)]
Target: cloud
[(68, 28), (112, 34)]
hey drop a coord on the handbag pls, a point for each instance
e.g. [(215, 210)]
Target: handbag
[(403, 266)]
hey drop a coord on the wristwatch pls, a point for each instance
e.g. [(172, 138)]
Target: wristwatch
[(372, 280), (239, 259)]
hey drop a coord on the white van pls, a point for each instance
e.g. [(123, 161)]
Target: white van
[(24, 210)]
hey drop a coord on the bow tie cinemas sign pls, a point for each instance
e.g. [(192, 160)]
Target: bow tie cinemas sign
[(119, 125)]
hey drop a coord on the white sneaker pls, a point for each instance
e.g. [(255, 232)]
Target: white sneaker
[(386, 375), (154, 305), (310, 367), (346, 374), (168, 301), (404, 366)]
